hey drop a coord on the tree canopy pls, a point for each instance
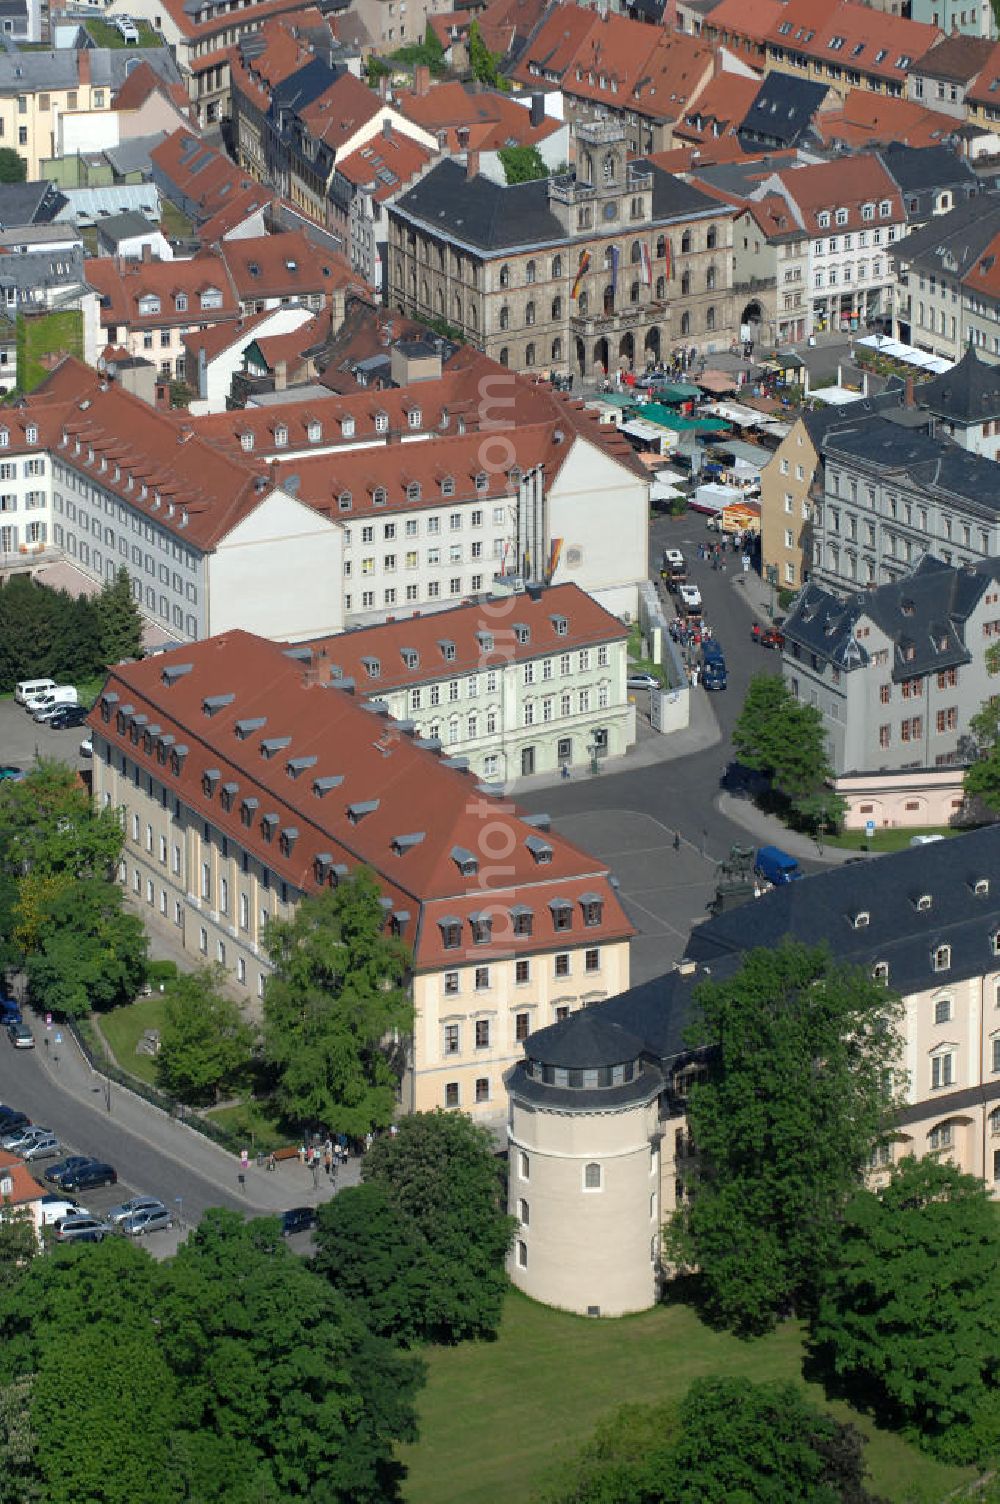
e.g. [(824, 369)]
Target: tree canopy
[(205, 1043), (13, 169), (229, 1375), (796, 1096), (522, 164), (333, 1007), (909, 1312), (485, 65), (89, 953), (48, 633), (775, 734), (982, 777), (728, 1440), (421, 1245)]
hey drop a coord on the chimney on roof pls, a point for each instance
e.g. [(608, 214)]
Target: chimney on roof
[(147, 251), (537, 109), (387, 128), (83, 65), (421, 80), (383, 87), (908, 399), (471, 165)]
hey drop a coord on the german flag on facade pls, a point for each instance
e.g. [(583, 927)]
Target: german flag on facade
[(581, 272)]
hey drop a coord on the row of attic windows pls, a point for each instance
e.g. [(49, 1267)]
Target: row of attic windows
[(314, 428)]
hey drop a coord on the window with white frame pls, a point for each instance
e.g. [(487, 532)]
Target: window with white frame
[(943, 1068), (592, 1176)]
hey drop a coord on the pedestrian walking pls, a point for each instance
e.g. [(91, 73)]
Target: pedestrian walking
[(244, 1159), (677, 840)]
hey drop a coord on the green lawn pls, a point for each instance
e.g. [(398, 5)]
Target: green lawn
[(106, 35), (174, 224), (254, 1122), (886, 840), (497, 1418), (124, 1027)]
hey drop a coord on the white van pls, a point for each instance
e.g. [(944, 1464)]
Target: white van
[(30, 690), (61, 694)]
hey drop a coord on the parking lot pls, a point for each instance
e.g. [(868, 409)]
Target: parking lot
[(22, 742)]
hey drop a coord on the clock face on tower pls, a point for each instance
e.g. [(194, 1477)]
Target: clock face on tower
[(610, 211)]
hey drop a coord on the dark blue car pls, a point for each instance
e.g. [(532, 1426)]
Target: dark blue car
[(10, 1011)]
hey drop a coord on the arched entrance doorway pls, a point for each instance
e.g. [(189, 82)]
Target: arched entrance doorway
[(601, 356), (581, 356), (626, 352), (652, 346), (753, 323)]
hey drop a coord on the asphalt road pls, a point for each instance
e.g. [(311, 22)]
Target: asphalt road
[(629, 819), (27, 1082)]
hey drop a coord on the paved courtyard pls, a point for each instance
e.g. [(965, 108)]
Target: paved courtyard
[(22, 742)]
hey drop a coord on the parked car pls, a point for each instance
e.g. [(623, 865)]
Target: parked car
[(93, 1173), (690, 599), (87, 747), (27, 690), (298, 1219), (66, 1167), (10, 1119), (67, 716), (10, 1012), (713, 668), (46, 1146), (79, 1227), (20, 1036), (10, 773), (146, 1219), (642, 681), (17, 1138), (53, 1208), (129, 1208)]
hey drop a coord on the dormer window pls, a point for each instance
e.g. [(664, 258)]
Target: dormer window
[(247, 810), (593, 909), (941, 958), (540, 850), (31, 434), (880, 972), (208, 781), (485, 641), (149, 304), (522, 633), (356, 812), (344, 501), (268, 825), (227, 797), (861, 919), (181, 302), (372, 667), (414, 417), (981, 887), (410, 657), (560, 625), (922, 902), (823, 220), (321, 866), (379, 496), (413, 491), (381, 422), (451, 933), (522, 921), (562, 914), (177, 757), (482, 481), (466, 862), (347, 428), (995, 942), (447, 651), (314, 431), (211, 298), (482, 928), (448, 486), (287, 840), (280, 436)]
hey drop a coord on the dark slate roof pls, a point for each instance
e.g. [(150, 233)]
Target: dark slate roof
[(29, 204), (875, 440), (481, 212), (952, 243), (124, 226), (925, 612), (783, 109), (497, 216), (917, 168), (968, 393), (595, 1040), (822, 909), (648, 1083), (299, 90)]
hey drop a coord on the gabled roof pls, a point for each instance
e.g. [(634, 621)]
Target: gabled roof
[(854, 36), (957, 58), (141, 83), (385, 164), (718, 109), (869, 119), (918, 169), (287, 349), (24, 1187), (845, 183), (121, 285), (955, 242), (985, 87), (340, 112), (343, 790), (205, 178), (553, 44), (625, 64), (286, 265), (506, 24), (399, 654), (469, 117), (783, 108)]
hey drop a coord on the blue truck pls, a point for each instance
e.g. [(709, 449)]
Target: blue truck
[(713, 665), (776, 866)]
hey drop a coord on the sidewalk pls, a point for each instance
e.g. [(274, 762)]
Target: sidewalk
[(768, 830), (264, 1192)]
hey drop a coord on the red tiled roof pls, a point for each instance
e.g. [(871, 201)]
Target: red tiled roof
[(491, 119), (957, 58), (449, 25), (505, 21), (743, 18), (868, 119), (384, 787), (144, 81), (208, 179), (247, 18), (341, 111), (986, 86), (285, 265), (396, 153), (553, 46), (708, 153), (846, 183), (218, 337), (626, 64), (722, 103), (870, 41), (984, 277), (285, 349), (24, 1187), (586, 624), (120, 284)]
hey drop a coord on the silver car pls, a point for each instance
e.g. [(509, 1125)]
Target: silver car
[(20, 1138), (146, 1219), (46, 1146), (118, 1214)]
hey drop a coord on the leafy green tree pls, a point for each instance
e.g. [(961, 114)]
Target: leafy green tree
[(521, 164), (119, 619), (777, 735), (205, 1042), (50, 828), (485, 65), (19, 1478), (18, 1243), (336, 999), (796, 1096), (909, 1313), (277, 1375), (13, 169), (90, 953), (375, 1256), (441, 1173), (729, 1440)]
